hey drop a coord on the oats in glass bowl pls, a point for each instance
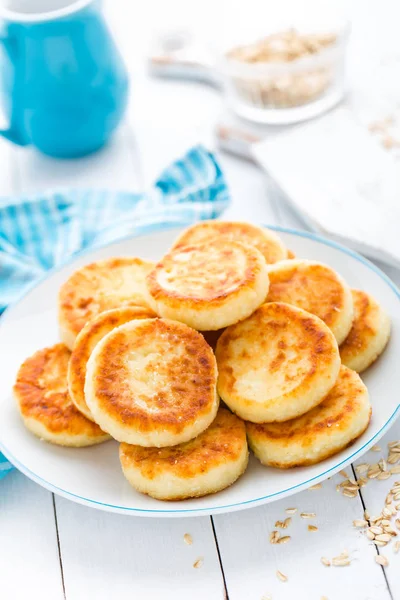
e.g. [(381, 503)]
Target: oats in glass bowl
[(285, 70)]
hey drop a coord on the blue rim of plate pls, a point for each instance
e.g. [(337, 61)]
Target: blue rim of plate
[(237, 505)]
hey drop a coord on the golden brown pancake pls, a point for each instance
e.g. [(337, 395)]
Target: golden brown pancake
[(207, 232), (209, 463), (45, 405), (152, 382), (369, 334), (85, 343), (209, 287), (314, 287), (277, 364), (325, 430), (97, 287)]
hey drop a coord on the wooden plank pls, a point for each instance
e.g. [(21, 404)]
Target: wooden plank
[(250, 562), (29, 560), (109, 556), (374, 495), (104, 555)]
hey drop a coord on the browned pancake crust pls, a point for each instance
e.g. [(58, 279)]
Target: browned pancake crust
[(42, 394), (192, 377), (305, 429), (210, 231), (305, 290), (94, 331), (364, 329), (83, 296), (267, 322), (222, 442), (215, 281)]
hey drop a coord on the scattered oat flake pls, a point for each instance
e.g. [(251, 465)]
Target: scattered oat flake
[(316, 486), (389, 529), (267, 597), (381, 560), (287, 522), (372, 473), (396, 547), (305, 515), (389, 141), (360, 523), (343, 474), (291, 511), (395, 470), (384, 475), (374, 519), (340, 561), (376, 530), (187, 538), (274, 536), (393, 458), (324, 598), (325, 561), (312, 528), (376, 448), (198, 563), (281, 576), (382, 464), (284, 539), (350, 493), (363, 468)]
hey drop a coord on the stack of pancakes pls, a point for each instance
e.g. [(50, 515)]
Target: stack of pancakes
[(228, 313)]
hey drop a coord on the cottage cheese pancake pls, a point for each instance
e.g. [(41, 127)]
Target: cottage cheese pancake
[(97, 287), (45, 405), (266, 241), (369, 334), (336, 422), (315, 287), (209, 463), (277, 364), (85, 343), (152, 382), (209, 286)]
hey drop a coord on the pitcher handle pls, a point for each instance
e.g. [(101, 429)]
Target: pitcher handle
[(12, 133)]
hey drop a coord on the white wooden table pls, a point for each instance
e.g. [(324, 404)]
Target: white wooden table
[(53, 549)]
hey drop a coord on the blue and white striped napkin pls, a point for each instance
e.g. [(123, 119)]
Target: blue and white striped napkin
[(43, 231)]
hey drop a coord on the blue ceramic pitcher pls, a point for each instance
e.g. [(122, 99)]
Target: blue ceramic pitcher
[(63, 83)]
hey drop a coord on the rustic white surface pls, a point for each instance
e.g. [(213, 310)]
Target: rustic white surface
[(104, 556)]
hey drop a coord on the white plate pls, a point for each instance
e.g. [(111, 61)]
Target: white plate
[(93, 476)]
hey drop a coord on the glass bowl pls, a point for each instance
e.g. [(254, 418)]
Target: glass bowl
[(303, 77)]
